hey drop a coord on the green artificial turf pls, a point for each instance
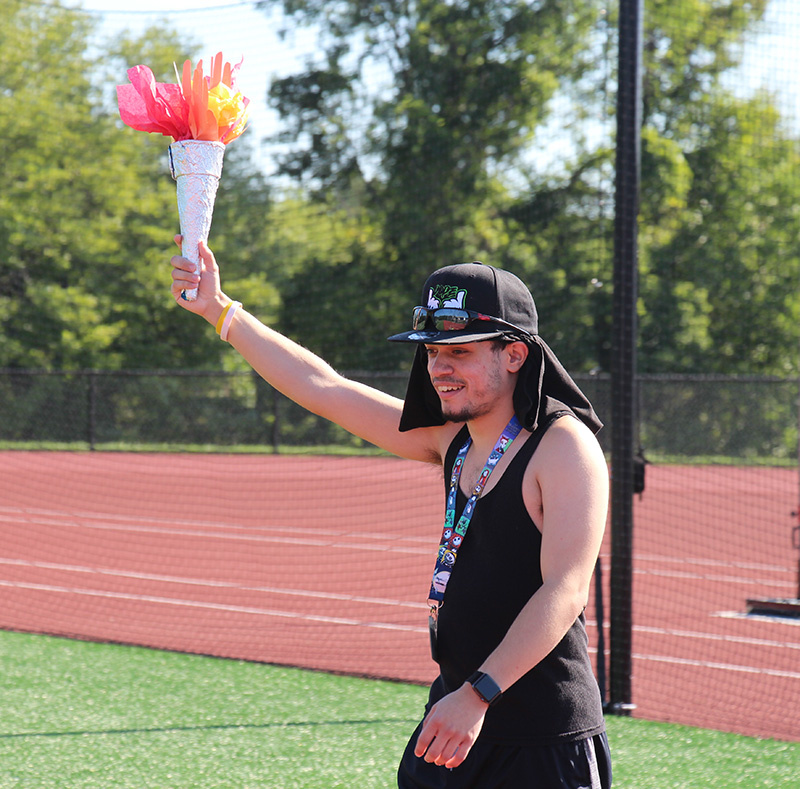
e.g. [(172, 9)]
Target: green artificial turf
[(78, 714), (647, 755)]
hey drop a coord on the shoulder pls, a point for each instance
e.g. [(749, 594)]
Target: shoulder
[(568, 462), (568, 440)]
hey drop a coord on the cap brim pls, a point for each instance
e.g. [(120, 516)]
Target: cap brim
[(447, 337)]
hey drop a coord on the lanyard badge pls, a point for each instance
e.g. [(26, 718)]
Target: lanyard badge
[(453, 533)]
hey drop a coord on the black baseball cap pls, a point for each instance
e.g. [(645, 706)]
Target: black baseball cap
[(490, 302)]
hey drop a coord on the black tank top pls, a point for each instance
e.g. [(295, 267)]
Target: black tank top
[(496, 573)]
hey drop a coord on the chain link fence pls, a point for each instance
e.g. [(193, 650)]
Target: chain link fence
[(744, 419)]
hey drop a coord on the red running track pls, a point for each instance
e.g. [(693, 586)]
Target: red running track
[(325, 562)]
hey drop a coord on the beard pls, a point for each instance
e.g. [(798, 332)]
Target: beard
[(486, 401), (465, 413)]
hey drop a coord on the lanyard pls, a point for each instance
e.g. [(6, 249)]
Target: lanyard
[(453, 533)]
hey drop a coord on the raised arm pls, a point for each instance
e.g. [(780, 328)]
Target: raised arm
[(301, 375)]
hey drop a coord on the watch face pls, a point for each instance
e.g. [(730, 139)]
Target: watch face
[(487, 688)]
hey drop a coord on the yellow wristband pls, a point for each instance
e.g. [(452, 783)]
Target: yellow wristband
[(226, 324), (222, 316)]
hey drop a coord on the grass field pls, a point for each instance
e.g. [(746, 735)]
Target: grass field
[(79, 714)]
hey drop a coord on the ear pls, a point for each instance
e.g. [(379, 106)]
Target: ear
[(516, 353)]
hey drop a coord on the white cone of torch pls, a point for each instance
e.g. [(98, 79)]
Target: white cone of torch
[(196, 166)]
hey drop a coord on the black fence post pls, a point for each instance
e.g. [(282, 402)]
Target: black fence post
[(601, 636), (623, 370), (276, 422), (91, 420)]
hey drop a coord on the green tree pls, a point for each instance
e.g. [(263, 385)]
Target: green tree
[(719, 261), (468, 84), (722, 285), (719, 225), (434, 164), (47, 125), (87, 205), (80, 205)]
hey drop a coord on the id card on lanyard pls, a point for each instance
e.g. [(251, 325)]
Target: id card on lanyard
[(453, 533)]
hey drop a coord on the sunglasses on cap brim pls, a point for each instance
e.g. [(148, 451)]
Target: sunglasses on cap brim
[(454, 319)]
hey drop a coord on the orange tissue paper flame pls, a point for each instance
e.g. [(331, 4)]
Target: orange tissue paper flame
[(198, 108)]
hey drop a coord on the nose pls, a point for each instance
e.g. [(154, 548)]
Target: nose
[(438, 364)]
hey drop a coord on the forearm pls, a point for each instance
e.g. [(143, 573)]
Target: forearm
[(293, 370), (287, 366), (312, 383)]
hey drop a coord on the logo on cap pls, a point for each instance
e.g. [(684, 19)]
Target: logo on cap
[(446, 296)]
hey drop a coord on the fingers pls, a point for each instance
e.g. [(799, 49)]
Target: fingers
[(458, 756), (184, 276), (201, 275), (183, 269), (183, 266), (451, 728), (207, 260), (206, 255), (443, 750), (424, 740), (441, 747)]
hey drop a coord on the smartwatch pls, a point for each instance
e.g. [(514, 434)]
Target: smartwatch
[(486, 688)]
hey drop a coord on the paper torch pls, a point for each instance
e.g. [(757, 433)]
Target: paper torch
[(202, 114)]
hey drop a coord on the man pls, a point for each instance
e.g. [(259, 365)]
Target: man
[(515, 704)]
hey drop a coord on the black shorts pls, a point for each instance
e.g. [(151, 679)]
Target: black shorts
[(585, 764)]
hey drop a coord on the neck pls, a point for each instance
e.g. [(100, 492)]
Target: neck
[(486, 429)]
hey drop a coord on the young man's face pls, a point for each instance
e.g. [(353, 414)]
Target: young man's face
[(470, 379)]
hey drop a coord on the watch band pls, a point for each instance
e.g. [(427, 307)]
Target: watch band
[(486, 688)]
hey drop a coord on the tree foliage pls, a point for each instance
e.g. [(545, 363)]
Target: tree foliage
[(467, 84), (468, 90), (422, 134), (87, 205), (720, 189)]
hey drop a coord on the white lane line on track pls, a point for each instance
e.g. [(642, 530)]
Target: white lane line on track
[(721, 579), (322, 537), (718, 563), (241, 609), (223, 533), (690, 634), (744, 640), (135, 522), (358, 623), (719, 666), (773, 619), (173, 579), (327, 539), (320, 595)]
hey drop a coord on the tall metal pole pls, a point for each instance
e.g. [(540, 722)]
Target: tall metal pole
[(796, 527), (623, 368)]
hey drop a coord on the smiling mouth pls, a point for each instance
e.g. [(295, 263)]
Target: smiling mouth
[(446, 388)]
